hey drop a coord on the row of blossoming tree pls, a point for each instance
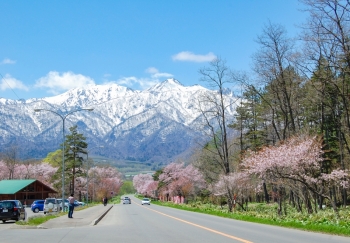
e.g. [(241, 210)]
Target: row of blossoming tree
[(176, 182), (293, 168), (103, 180)]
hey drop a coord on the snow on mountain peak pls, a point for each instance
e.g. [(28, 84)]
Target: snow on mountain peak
[(168, 84), (90, 94), (155, 125)]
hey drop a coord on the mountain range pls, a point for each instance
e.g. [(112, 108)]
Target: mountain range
[(155, 125)]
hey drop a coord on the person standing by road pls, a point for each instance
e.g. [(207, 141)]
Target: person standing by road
[(105, 201), (71, 205)]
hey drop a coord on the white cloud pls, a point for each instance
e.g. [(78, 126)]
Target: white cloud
[(127, 81), (162, 75), (156, 74), (56, 82), (9, 82), (191, 57), (134, 82), (152, 70), (7, 61), (144, 83)]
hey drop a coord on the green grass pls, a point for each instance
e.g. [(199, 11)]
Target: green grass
[(34, 221), (115, 200), (321, 222)]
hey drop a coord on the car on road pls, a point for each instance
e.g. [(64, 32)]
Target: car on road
[(146, 200), (37, 206), (12, 210), (126, 200), (51, 205)]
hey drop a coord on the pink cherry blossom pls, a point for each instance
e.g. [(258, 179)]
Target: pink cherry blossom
[(180, 180), (295, 162)]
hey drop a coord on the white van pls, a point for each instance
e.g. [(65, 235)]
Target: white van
[(51, 205)]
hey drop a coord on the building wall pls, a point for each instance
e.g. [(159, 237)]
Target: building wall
[(30, 193)]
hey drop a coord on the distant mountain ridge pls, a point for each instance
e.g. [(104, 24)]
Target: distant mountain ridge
[(154, 125)]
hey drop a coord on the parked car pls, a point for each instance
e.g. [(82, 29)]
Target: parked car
[(66, 204), (146, 201), (51, 205), (126, 200), (79, 203), (12, 210), (37, 205)]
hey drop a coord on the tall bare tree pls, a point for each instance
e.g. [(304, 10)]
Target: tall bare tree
[(214, 107), (278, 80), (11, 158)]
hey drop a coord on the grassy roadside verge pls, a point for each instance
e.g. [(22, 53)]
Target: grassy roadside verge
[(40, 219), (320, 223)]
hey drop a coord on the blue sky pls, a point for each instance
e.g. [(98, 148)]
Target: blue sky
[(49, 47)]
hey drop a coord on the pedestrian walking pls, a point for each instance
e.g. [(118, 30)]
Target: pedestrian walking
[(105, 201), (71, 205)]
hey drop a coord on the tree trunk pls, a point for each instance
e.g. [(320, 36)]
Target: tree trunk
[(267, 198), (280, 198), (299, 207)]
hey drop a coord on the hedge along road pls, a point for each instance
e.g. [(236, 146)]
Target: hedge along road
[(137, 223)]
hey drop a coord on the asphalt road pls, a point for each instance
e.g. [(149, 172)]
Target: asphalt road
[(137, 223)]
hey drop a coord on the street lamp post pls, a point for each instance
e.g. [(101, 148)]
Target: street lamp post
[(63, 117), (87, 173)]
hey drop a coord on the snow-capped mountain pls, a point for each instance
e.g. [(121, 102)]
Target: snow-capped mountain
[(154, 125)]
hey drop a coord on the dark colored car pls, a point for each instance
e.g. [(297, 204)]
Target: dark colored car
[(37, 205), (12, 210)]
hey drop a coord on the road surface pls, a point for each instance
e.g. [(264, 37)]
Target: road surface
[(137, 223)]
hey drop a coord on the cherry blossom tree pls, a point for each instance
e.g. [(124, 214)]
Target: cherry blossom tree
[(144, 184), (105, 180), (102, 182), (176, 180), (168, 180), (191, 181), (235, 187), (297, 161), (149, 188), (4, 172), (40, 171), (181, 181)]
